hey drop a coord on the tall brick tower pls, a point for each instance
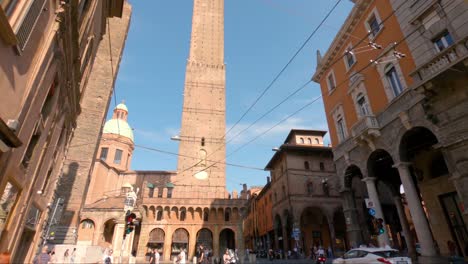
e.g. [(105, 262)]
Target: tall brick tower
[(203, 114)]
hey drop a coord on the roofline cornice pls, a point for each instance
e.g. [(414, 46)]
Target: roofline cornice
[(340, 39)]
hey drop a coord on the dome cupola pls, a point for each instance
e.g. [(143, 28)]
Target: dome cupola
[(118, 124)]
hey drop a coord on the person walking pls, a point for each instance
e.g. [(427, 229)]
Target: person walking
[(73, 256), (43, 257), (66, 256), (53, 257), (226, 257), (200, 254)]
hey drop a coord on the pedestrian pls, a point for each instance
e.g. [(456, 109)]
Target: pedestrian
[(200, 254), (226, 257), (53, 257), (43, 257), (66, 256), (73, 256), (330, 252), (108, 257)]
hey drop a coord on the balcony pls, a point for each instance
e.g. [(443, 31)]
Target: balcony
[(366, 126), (443, 61)]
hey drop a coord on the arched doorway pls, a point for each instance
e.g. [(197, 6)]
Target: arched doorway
[(86, 232), (108, 233), (314, 229), (180, 241), (278, 241), (156, 240), (354, 207), (227, 239), (386, 179), (430, 193), (205, 238)]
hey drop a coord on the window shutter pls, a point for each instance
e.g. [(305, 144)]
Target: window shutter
[(29, 22)]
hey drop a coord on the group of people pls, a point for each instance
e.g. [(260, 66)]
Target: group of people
[(320, 251), (204, 254), (47, 256)]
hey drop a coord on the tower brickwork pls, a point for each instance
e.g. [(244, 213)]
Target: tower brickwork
[(203, 126)]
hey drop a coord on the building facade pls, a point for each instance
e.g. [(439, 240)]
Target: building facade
[(306, 207), (176, 210), (47, 50), (395, 105)]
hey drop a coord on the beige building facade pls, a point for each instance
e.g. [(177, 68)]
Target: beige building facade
[(176, 210), (306, 204), (47, 51)]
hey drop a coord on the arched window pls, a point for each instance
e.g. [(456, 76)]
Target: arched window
[(393, 79), (203, 141), (309, 141), (306, 165), (205, 216), (340, 127), (301, 140), (363, 106), (322, 166), (159, 217), (226, 216), (183, 215), (317, 141), (87, 224)]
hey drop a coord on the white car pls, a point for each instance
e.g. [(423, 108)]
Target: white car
[(372, 256)]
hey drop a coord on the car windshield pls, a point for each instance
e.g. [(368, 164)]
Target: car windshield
[(387, 254)]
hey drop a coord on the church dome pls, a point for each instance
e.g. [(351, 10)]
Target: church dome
[(118, 124), (118, 127)]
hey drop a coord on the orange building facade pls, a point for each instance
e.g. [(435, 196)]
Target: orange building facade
[(392, 152)]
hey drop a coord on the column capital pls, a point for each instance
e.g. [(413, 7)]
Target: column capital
[(401, 164), (369, 179)]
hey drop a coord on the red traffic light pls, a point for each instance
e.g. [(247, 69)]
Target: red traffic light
[(129, 218)]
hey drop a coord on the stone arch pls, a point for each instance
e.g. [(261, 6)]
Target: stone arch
[(205, 238), (156, 239), (227, 239), (314, 227), (108, 232), (180, 241), (174, 212), (86, 230)]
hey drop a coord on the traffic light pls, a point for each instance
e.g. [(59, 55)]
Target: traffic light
[(129, 222), (380, 227)]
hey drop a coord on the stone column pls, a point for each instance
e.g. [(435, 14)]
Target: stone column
[(353, 229), (216, 242), (417, 212), (374, 197), (405, 226), (331, 228), (167, 244), (191, 250), (285, 240)]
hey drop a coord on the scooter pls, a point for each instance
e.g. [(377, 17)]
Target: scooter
[(321, 259)]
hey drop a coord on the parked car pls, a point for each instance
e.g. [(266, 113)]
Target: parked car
[(372, 255)]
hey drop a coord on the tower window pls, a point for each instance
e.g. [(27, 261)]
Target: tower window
[(203, 141), (104, 152), (183, 215), (205, 216), (226, 216), (118, 156), (151, 192), (159, 216)]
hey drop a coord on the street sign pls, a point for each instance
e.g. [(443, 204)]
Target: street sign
[(372, 211), (369, 203)]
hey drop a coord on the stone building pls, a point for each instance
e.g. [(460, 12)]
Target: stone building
[(306, 208), (177, 210), (47, 51), (397, 115)]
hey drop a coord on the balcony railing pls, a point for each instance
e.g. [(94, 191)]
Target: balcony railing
[(366, 125), (441, 62)]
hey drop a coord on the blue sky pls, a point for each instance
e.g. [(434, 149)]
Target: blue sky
[(260, 38)]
